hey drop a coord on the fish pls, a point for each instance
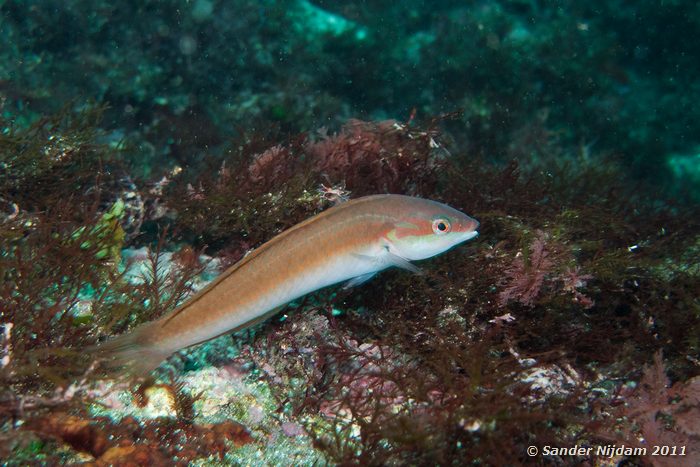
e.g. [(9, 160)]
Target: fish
[(350, 242)]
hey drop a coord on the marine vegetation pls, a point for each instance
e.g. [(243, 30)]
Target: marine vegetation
[(573, 319), (146, 146)]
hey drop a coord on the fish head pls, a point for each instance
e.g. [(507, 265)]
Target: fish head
[(428, 228)]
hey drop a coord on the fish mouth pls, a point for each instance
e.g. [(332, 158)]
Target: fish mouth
[(470, 235)]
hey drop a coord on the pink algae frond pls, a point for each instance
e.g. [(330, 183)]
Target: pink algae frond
[(543, 269), (271, 165), (373, 156), (654, 403), (525, 278)]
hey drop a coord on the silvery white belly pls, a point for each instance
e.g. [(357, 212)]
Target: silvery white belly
[(336, 269)]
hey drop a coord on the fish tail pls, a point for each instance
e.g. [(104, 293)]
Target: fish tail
[(137, 353)]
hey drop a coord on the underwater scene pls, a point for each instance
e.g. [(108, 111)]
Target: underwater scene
[(314, 232)]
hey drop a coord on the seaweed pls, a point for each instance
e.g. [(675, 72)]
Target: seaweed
[(256, 191), (530, 314), (447, 398), (53, 159), (62, 238), (548, 329), (62, 281), (498, 346), (656, 414)]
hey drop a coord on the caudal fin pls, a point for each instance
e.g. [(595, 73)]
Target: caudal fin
[(135, 354)]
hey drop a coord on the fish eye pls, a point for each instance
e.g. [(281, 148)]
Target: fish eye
[(441, 226)]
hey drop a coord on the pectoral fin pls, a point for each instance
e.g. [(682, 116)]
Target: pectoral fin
[(388, 259), (355, 281), (403, 263)]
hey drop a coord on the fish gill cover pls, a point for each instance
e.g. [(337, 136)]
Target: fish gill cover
[(145, 146)]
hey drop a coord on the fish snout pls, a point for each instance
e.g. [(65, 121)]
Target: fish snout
[(469, 228), (471, 225)]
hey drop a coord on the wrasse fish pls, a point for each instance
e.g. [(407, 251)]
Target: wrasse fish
[(349, 242)]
